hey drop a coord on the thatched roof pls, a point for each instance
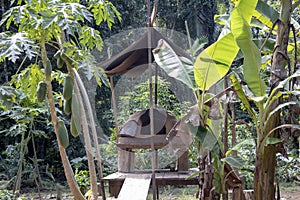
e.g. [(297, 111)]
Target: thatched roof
[(136, 54)]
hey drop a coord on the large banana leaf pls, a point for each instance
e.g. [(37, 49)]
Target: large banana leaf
[(180, 68), (252, 56), (214, 62), (247, 7)]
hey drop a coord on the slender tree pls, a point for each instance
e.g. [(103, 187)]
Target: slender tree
[(45, 24)]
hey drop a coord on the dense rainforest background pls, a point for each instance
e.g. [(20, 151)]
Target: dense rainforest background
[(63, 33)]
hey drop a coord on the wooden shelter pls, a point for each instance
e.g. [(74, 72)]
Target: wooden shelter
[(136, 55), (136, 133), (132, 60)]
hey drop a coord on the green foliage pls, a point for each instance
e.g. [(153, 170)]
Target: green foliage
[(214, 62), (6, 195), (89, 68), (242, 96), (9, 195), (15, 122), (83, 179), (90, 42), (43, 26), (9, 160), (288, 166), (138, 99), (245, 148), (264, 113), (109, 159), (52, 18), (104, 11), (13, 45), (211, 65), (27, 81), (9, 96)]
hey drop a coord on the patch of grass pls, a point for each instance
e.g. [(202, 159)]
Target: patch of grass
[(176, 193), (289, 187)]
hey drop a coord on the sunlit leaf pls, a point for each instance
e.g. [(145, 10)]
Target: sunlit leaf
[(13, 45), (27, 80), (177, 67), (235, 161), (272, 141), (90, 38), (263, 19), (214, 62), (252, 57), (105, 11)]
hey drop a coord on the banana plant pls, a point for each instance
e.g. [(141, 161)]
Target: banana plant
[(211, 65), (214, 63), (270, 104), (182, 69)]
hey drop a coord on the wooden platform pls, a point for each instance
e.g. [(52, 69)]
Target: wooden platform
[(167, 177)]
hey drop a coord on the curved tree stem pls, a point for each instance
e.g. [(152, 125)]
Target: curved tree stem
[(64, 158)]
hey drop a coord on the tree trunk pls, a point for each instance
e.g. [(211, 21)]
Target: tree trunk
[(88, 147), (64, 158), (264, 185), (94, 132), (3, 30)]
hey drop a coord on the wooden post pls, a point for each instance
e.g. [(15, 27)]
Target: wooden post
[(183, 162), (125, 160), (237, 193), (123, 155), (153, 153), (113, 97)]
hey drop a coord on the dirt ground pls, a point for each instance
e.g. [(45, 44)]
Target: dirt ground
[(287, 193), (292, 193)]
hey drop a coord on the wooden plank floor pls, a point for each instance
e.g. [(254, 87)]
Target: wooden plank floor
[(135, 188), (116, 180)]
